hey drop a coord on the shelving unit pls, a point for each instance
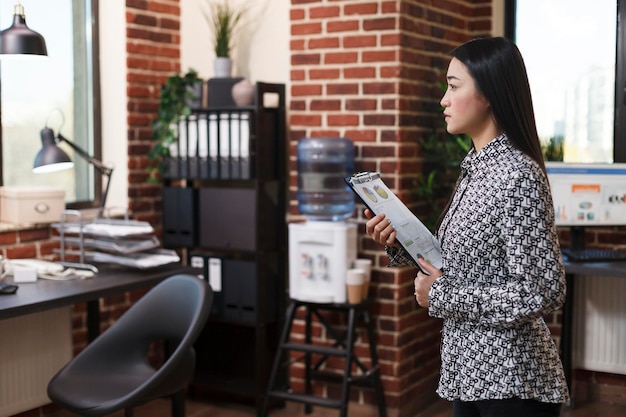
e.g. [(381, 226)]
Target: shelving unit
[(224, 202)]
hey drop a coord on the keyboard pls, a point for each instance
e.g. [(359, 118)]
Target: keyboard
[(594, 255)]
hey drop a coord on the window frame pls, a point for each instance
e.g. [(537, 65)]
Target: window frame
[(619, 146), (97, 121)]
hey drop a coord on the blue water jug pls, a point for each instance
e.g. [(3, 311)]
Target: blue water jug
[(323, 163)]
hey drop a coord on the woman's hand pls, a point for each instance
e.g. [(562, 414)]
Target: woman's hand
[(423, 282), (380, 229)]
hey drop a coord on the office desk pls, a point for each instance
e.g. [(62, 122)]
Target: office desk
[(607, 269), (48, 294), (42, 299)]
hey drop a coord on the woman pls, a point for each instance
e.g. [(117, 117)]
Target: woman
[(502, 268)]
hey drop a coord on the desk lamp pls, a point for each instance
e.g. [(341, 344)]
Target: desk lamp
[(20, 41), (51, 158)]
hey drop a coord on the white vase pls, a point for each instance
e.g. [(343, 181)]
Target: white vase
[(243, 93), (222, 67)]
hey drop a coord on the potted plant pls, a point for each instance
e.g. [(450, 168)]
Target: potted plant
[(224, 21), (176, 96)]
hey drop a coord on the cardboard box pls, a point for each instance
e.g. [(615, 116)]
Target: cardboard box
[(31, 204)]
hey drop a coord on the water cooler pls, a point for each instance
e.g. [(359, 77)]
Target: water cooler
[(323, 248), (325, 279)]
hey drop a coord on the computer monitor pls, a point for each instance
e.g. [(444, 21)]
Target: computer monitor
[(588, 194)]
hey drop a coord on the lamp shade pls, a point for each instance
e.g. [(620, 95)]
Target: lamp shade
[(19, 39), (50, 157)]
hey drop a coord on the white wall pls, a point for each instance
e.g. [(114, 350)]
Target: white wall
[(262, 54), (262, 47)]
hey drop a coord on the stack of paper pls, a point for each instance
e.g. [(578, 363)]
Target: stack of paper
[(124, 242)]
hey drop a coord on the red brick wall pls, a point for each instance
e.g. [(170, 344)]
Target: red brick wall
[(368, 71), (153, 54)]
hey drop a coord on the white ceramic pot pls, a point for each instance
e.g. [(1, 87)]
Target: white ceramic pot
[(243, 93), (222, 67)]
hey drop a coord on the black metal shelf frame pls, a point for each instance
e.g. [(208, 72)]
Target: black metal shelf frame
[(225, 202)]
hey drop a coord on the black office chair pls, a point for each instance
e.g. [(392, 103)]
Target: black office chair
[(113, 372)]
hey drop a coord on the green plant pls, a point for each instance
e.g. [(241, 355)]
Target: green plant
[(443, 155), (553, 149), (174, 97), (224, 21)]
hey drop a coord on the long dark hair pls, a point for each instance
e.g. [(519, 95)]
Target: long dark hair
[(498, 69)]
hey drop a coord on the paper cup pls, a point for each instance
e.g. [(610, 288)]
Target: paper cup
[(354, 285), (366, 266)]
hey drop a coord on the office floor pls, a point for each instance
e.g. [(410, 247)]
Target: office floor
[(161, 408)]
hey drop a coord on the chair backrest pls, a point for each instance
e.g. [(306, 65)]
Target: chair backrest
[(175, 310)]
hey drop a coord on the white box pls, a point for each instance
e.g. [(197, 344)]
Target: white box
[(24, 274), (31, 204)]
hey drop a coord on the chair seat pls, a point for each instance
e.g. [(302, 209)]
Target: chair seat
[(86, 390)]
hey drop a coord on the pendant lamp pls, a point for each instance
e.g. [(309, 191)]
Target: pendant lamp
[(19, 40)]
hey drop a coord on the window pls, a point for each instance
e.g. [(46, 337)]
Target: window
[(59, 91), (569, 47)]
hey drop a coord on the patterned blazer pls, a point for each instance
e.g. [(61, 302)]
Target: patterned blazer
[(502, 273)]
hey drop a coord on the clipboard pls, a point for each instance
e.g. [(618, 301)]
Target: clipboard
[(411, 233)]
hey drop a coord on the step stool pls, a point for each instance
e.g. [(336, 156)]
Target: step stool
[(343, 347)]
